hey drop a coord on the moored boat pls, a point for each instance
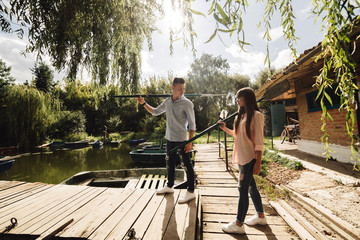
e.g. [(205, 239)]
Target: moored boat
[(6, 164), (153, 155), (57, 145), (126, 178), (97, 144), (137, 141), (77, 144)]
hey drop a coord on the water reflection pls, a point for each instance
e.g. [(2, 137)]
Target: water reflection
[(62, 164)]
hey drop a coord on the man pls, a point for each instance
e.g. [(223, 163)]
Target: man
[(180, 116)]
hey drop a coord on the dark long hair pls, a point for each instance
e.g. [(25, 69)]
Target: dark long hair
[(250, 107)]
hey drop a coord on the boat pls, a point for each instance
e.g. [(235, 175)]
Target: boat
[(153, 178), (78, 144), (6, 164), (153, 154), (57, 145), (114, 143), (137, 141), (97, 144)]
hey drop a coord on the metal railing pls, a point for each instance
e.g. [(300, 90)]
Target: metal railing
[(224, 145)]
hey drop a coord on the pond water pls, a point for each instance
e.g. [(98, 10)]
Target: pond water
[(59, 165)]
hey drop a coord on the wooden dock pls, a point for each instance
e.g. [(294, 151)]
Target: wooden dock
[(83, 212), (219, 200)]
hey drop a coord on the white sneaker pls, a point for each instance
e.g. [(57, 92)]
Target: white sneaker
[(165, 190), (256, 220), (188, 196), (232, 227)]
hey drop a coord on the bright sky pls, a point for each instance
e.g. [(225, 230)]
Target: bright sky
[(159, 62)]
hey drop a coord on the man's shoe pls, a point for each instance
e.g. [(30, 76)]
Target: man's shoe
[(165, 190), (187, 197), (232, 227), (256, 220)]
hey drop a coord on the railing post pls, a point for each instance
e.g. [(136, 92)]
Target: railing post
[(219, 141), (226, 153)]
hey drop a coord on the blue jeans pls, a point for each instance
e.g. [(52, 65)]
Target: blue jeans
[(171, 159), (247, 184)]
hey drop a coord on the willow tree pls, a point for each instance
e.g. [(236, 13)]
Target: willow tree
[(104, 35), (30, 113), (338, 19)]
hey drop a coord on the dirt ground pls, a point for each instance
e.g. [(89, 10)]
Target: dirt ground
[(327, 190)]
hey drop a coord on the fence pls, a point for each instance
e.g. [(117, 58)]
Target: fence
[(224, 145)]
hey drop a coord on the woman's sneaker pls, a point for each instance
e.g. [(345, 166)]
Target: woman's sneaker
[(256, 220), (165, 190), (188, 196), (232, 227)]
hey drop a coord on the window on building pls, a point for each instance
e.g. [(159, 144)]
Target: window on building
[(314, 105)]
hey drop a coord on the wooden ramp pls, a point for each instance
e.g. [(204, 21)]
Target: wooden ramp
[(83, 212), (219, 200)]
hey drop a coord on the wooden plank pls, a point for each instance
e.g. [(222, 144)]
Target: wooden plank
[(46, 216), (160, 221), (9, 184), (226, 218), (220, 200), (139, 218), (191, 220), (80, 213), (13, 206), (176, 225), (310, 228), (128, 211), (218, 181), (24, 195), (148, 181), (47, 224), (162, 181), (345, 226), (297, 227), (250, 230), (155, 181), (223, 236), (141, 181), (132, 183), (18, 190), (27, 213), (225, 208), (219, 192), (88, 224)]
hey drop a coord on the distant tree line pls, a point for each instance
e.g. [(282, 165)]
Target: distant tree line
[(44, 110)]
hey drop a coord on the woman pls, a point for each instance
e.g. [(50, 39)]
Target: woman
[(248, 146)]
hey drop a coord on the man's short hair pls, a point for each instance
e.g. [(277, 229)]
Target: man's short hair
[(178, 80)]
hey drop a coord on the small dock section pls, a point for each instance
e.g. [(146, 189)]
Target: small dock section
[(83, 212), (219, 201)]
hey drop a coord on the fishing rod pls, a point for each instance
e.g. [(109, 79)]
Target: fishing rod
[(169, 95), (203, 132), (207, 130)]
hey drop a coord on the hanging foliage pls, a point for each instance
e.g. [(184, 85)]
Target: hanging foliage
[(104, 35), (339, 20), (30, 113)]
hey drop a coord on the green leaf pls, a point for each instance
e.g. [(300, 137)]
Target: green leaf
[(320, 91), (226, 30), (197, 12), (220, 20), (328, 98), (212, 36), (223, 14)]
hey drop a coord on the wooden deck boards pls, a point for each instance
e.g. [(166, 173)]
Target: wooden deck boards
[(94, 212), (219, 201), (109, 213)]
